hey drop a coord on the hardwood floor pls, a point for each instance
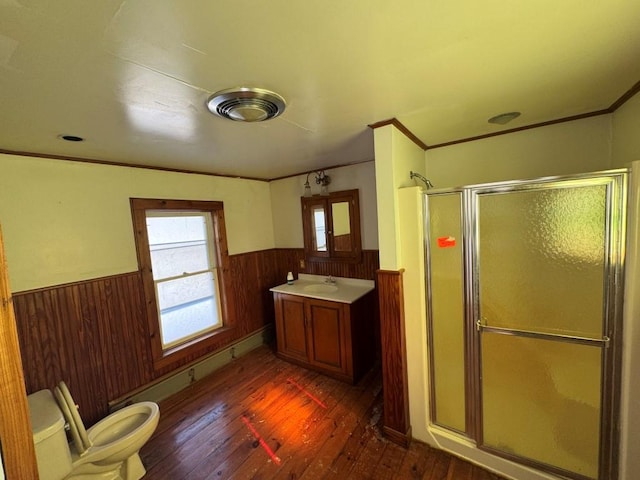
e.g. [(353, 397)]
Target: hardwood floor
[(263, 418)]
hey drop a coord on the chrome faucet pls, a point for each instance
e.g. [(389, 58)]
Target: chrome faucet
[(330, 280)]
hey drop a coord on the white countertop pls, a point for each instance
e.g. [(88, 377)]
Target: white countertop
[(348, 289)]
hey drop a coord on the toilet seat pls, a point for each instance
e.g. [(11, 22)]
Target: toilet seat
[(75, 414), (68, 416)]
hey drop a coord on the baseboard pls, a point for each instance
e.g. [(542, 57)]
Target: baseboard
[(182, 379), (402, 439)]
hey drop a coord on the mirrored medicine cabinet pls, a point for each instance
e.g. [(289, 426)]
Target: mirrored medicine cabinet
[(331, 227)]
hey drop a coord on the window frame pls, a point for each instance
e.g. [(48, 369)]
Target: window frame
[(198, 345), (212, 269)]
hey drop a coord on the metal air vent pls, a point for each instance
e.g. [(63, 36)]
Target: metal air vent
[(245, 104)]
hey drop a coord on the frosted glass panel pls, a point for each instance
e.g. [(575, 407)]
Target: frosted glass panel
[(447, 309), (541, 400), (555, 236), (179, 259), (180, 324), (187, 306), (180, 291), (178, 243)]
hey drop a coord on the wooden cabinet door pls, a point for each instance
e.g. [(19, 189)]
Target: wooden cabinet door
[(327, 343), (290, 327)]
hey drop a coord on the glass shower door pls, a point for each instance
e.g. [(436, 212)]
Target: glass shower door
[(446, 311), (543, 257)]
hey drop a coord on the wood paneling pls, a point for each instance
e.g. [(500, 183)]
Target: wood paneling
[(394, 356), (94, 334), (289, 259), (253, 274), (16, 437), (122, 343)]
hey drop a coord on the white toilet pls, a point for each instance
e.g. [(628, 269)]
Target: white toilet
[(107, 451)]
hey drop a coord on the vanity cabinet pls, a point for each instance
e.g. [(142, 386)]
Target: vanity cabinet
[(331, 337)]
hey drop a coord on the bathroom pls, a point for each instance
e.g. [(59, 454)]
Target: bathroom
[(134, 78), (69, 242)]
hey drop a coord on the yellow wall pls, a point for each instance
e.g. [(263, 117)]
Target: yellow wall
[(68, 221), (626, 133), (396, 157), (411, 222), (560, 149), (287, 214)]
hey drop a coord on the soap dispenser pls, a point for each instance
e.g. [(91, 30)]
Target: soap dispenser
[(289, 278)]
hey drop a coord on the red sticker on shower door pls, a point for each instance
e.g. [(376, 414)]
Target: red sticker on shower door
[(446, 242)]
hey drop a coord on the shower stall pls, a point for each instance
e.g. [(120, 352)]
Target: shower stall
[(524, 313)]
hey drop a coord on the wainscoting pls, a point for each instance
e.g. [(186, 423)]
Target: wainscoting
[(394, 357), (366, 269), (94, 334)]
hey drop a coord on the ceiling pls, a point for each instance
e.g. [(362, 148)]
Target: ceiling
[(132, 77)]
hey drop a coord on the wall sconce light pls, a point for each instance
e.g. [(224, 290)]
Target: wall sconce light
[(322, 179)]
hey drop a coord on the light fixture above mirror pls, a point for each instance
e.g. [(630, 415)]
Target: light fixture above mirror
[(322, 179)]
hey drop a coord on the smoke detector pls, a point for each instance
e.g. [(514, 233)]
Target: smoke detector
[(245, 104)]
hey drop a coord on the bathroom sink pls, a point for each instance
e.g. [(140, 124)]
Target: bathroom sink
[(320, 288)]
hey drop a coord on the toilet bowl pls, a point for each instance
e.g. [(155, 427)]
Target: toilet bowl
[(107, 451)]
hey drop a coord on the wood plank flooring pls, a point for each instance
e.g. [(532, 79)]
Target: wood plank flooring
[(262, 418)]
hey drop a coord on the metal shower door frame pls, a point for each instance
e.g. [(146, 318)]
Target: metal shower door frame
[(613, 288), (610, 342)]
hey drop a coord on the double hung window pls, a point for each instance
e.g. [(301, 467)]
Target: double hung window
[(185, 275), (182, 255)]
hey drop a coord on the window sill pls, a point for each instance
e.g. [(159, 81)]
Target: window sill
[(193, 348)]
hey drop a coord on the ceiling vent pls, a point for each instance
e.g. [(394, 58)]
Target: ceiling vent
[(245, 104)]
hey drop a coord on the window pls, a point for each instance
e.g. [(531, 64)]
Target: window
[(182, 252), (184, 274)]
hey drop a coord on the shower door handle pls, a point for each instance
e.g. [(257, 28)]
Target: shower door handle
[(602, 342)]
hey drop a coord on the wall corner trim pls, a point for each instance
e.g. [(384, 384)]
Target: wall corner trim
[(408, 133), (395, 388)]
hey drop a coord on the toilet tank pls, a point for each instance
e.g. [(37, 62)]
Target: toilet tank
[(49, 437)]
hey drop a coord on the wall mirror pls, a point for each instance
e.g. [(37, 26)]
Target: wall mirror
[(331, 227)]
